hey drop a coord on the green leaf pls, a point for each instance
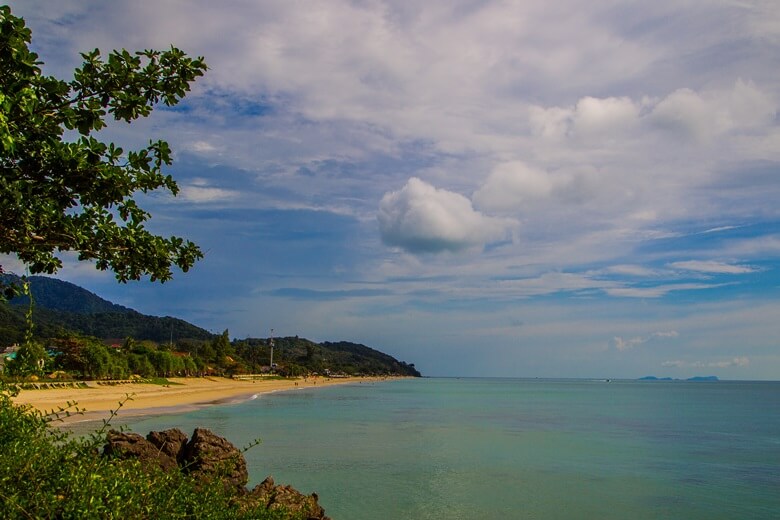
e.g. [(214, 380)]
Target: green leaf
[(60, 196)]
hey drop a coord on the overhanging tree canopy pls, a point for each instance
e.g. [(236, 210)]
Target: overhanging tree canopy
[(77, 195)]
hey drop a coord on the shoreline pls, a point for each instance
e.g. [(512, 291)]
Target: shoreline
[(182, 395)]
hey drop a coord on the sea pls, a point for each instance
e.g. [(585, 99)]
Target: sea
[(470, 448)]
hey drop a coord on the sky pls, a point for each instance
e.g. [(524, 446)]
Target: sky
[(575, 188)]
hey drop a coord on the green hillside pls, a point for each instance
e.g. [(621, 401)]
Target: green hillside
[(59, 295), (63, 310), (341, 357), (61, 306)]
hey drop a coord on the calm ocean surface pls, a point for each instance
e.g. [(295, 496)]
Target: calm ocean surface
[(515, 448)]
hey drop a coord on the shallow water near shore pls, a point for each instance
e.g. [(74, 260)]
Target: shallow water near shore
[(513, 448)]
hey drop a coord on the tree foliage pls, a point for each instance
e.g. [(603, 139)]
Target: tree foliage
[(61, 188), (31, 358)]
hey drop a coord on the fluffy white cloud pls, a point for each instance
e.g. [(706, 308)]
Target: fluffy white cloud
[(550, 122), (513, 185), (702, 116), (698, 115), (595, 117), (421, 219), (686, 111), (519, 189), (749, 106)]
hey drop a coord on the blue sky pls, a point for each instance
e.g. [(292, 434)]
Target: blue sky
[(570, 188)]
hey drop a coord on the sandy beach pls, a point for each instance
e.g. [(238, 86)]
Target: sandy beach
[(183, 394)]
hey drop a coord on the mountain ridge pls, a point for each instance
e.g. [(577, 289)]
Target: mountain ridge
[(61, 295), (60, 306)]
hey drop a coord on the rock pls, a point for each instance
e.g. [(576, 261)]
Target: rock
[(287, 498), (208, 456), (169, 442), (126, 445)]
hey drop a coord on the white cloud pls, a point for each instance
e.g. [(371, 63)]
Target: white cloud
[(594, 117), (719, 229), (200, 192), (684, 110), (702, 116), (632, 270), (552, 123), (623, 344), (521, 189), (627, 344), (12, 264), (698, 115), (73, 269), (554, 282), (202, 147), (513, 185), (591, 117), (704, 266), (767, 246), (735, 362), (749, 107), (421, 219), (657, 291)]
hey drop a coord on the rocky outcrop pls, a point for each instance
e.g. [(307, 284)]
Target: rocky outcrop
[(125, 445), (169, 442), (287, 497), (206, 457)]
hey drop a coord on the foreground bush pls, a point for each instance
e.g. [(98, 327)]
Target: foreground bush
[(46, 473)]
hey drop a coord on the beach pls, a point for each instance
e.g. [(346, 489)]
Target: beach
[(182, 394)]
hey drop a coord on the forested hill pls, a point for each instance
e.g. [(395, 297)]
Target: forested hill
[(347, 350), (62, 309), (59, 295), (61, 306), (339, 357)]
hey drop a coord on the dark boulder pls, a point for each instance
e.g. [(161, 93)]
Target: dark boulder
[(169, 442), (125, 445), (209, 456), (288, 499)]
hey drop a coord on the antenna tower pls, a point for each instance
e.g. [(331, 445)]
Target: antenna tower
[(271, 343)]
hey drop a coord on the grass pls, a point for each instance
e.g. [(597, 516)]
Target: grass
[(162, 381)]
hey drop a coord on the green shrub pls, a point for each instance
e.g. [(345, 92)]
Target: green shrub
[(46, 473)]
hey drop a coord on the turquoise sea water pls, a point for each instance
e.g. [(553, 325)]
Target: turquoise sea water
[(513, 448)]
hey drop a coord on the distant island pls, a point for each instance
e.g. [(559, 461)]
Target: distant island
[(695, 378)]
